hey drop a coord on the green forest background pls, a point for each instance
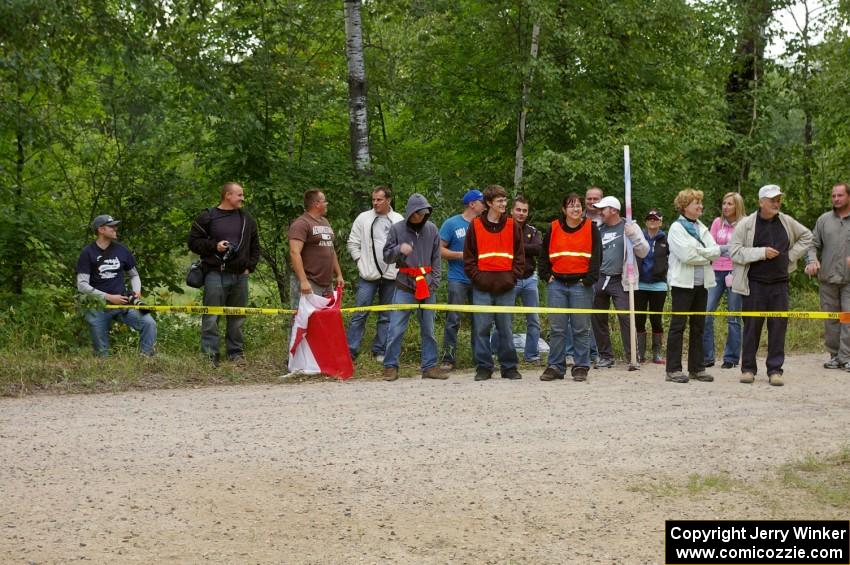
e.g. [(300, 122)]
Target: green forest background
[(143, 109)]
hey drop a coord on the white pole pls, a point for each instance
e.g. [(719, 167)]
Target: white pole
[(630, 262)]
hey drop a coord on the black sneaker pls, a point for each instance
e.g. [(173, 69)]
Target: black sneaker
[(709, 364), (579, 374), (604, 363), (701, 376), (551, 374), (727, 365), (833, 363), (511, 374), (677, 377), (482, 374)]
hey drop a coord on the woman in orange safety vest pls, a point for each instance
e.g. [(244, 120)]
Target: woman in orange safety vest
[(569, 263)]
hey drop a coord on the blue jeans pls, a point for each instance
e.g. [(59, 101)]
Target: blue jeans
[(526, 291), (459, 293), (365, 296), (482, 352), (732, 351), (398, 326), (572, 327), (101, 320), (569, 350), (224, 289)]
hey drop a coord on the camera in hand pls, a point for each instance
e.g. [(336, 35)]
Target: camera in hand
[(229, 252), (136, 301)]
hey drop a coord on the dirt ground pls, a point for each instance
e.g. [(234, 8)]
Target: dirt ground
[(412, 471)]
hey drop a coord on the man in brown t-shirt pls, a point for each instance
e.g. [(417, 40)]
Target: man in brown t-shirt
[(311, 249)]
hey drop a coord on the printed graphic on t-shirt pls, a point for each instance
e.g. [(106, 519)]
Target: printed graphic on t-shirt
[(609, 238), (108, 268), (460, 233), (325, 234)]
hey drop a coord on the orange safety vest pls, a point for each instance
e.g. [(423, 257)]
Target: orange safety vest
[(495, 250), (569, 253)]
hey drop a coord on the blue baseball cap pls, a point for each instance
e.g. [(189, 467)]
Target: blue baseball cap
[(471, 196)]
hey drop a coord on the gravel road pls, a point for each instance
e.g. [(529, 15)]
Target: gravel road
[(413, 471)]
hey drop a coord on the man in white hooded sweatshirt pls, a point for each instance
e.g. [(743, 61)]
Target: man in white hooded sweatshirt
[(366, 246)]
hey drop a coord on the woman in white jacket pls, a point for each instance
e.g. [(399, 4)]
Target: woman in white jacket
[(689, 275)]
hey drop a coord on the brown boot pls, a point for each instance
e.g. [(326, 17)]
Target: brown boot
[(390, 373), (434, 373)]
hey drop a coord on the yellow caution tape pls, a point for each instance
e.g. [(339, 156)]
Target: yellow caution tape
[(844, 317)]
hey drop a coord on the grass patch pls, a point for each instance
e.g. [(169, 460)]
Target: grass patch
[(696, 485), (700, 485), (817, 485), (825, 478)]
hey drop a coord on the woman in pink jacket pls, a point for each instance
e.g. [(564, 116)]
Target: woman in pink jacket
[(732, 210)]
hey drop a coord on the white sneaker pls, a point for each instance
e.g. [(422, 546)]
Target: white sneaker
[(379, 359), (569, 361)]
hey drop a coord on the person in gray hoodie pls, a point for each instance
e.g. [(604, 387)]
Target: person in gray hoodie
[(414, 247)]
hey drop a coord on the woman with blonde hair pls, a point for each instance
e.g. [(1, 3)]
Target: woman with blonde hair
[(689, 274), (731, 210)]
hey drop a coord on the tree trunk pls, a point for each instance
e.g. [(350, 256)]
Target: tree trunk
[(742, 89), (520, 128), (358, 123), (805, 99)]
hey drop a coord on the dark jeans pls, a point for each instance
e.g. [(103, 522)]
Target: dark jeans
[(686, 300), (224, 289), (765, 298), (652, 300), (606, 290)]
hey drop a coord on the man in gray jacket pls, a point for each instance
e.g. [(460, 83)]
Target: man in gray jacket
[(414, 247), (366, 246), (765, 248), (832, 240)]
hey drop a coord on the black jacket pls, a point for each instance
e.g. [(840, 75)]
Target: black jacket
[(203, 240)]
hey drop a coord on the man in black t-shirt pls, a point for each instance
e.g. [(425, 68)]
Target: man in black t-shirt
[(226, 239), (100, 272)]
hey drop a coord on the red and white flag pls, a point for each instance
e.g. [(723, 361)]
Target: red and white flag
[(317, 343)]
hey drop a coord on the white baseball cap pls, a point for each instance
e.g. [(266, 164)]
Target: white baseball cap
[(770, 191), (608, 201)]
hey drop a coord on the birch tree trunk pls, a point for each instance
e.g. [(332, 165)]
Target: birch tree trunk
[(358, 124), (520, 128)]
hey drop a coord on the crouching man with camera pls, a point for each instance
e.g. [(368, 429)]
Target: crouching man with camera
[(226, 239), (101, 270)]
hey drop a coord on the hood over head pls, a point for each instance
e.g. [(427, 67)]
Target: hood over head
[(415, 203)]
